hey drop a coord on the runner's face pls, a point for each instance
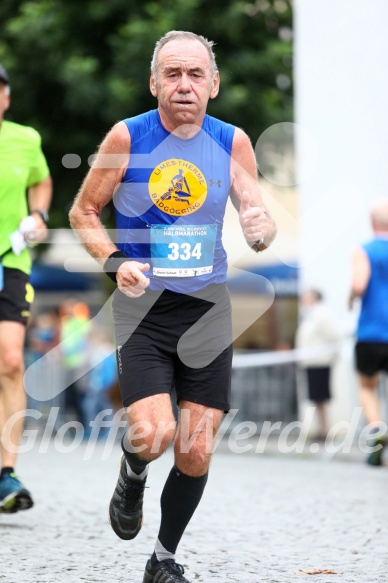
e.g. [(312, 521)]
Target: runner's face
[(4, 99), (184, 83)]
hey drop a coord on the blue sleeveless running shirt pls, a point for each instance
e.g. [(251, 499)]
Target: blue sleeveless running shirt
[(373, 320), (170, 205)]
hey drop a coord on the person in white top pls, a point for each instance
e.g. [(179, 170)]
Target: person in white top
[(316, 329)]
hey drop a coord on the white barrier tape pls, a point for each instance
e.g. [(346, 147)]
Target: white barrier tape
[(271, 357)]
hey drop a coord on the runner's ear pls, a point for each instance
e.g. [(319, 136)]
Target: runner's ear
[(153, 87), (216, 85)]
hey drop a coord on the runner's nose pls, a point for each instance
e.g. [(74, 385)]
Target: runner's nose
[(184, 84)]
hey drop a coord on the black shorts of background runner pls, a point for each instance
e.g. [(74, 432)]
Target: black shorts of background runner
[(371, 358), (16, 296), (318, 381), (167, 340)]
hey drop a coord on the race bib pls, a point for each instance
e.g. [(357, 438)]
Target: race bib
[(1, 276), (182, 251)]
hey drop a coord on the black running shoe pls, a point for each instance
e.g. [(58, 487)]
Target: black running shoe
[(167, 571), (126, 505), (375, 457)]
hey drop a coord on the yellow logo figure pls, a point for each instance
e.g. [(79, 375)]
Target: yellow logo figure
[(177, 187), (30, 293)]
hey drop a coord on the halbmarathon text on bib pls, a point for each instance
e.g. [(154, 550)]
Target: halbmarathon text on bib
[(182, 251)]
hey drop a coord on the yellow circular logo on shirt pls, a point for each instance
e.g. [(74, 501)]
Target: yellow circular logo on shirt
[(177, 187)]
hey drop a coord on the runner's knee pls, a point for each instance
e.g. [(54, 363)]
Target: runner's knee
[(11, 363), (151, 439), (193, 458)]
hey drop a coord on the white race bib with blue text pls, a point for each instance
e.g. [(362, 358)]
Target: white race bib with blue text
[(182, 250)]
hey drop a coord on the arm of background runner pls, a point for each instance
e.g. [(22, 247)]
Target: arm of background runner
[(96, 192), (255, 220), (361, 272), (39, 197)]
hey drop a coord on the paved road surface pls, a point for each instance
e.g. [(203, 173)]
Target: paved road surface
[(262, 518)]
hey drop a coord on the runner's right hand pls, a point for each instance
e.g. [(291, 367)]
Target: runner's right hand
[(131, 279)]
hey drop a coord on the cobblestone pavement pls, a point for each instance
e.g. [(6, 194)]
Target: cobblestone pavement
[(262, 518)]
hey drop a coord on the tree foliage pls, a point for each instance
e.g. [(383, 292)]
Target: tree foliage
[(77, 67)]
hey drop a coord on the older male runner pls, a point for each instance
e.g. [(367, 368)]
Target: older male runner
[(171, 171)]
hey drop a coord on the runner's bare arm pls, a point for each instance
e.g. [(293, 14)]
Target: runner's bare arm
[(97, 191), (255, 220), (39, 198), (361, 272), (39, 195)]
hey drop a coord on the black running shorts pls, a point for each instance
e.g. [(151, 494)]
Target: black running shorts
[(167, 340), (371, 357), (16, 296)]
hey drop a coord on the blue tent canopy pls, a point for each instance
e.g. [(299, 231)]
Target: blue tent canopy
[(53, 278), (284, 280)]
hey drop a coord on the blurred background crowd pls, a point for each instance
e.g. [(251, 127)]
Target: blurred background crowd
[(83, 357)]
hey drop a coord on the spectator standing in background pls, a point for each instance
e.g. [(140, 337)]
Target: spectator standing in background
[(74, 336), (99, 380), (316, 329), (43, 334), (370, 283)]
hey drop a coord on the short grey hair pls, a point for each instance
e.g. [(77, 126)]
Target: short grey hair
[(183, 35)]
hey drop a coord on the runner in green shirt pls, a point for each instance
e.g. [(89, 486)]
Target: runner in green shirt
[(25, 195)]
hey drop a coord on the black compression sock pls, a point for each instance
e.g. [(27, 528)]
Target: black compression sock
[(180, 497)]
